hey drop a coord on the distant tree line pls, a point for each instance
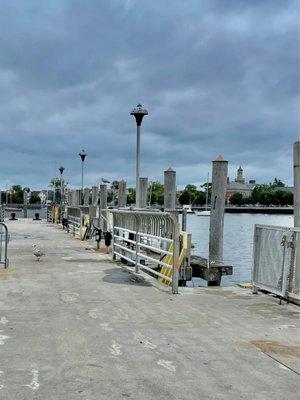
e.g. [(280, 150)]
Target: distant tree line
[(267, 194), (16, 195)]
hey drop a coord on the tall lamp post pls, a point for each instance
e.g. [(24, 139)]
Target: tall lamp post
[(138, 112), (61, 170), (82, 155)]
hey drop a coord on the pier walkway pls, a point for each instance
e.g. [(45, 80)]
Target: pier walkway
[(76, 326)]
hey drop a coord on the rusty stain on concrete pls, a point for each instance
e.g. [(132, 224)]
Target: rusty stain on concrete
[(7, 273), (270, 346)]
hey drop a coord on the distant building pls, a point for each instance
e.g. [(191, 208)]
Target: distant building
[(239, 185)]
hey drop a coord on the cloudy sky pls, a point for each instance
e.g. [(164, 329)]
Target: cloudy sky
[(217, 77)]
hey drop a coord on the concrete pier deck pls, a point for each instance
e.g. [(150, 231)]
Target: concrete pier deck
[(76, 326)]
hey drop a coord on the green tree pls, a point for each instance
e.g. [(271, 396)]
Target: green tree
[(34, 198), (188, 195), (156, 193), (115, 185), (263, 194), (236, 199), (131, 196), (17, 194), (284, 197), (55, 183), (277, 183)]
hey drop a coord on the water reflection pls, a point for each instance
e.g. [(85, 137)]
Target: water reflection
[(238, 239)]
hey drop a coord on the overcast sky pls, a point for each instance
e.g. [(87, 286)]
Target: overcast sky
[(217, 77)]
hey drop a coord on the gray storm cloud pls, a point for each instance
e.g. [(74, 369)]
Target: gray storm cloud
[(216, 77)]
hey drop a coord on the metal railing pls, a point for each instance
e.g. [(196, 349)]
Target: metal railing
[(4, 238), (148, 241), (49, 214), (276, 261), (75, 226)]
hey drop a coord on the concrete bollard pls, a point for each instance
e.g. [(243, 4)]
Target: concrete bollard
[(219, 178), (296, 272), (122, 196), (86, 196), (103, 206), (103, 196), (169, 190), (297, 184), (143, 192), (95, 195), (25, 202), (77, 197), (69, 198)]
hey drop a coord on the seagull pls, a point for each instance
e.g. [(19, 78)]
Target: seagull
[(104, 180), (37, 252)]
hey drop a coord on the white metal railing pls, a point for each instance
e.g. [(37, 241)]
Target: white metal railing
[(75, 226), (276, 260), (4, 238), (144, 239)]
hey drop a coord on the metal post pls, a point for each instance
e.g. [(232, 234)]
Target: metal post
[(137, 246), (143, 188), (80, 230), (183, 219), (138, 112), (138, 165), (219, 178), (81, 197), (170, 190), (113, 237), (175, 267), (297, 184)]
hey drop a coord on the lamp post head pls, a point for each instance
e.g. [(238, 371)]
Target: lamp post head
[(61, 170), (82, 155), (139, 112)]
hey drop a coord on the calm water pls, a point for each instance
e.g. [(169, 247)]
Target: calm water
[(238, 240)]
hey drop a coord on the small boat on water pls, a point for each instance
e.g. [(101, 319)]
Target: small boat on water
[(188, 209), (204, 213)]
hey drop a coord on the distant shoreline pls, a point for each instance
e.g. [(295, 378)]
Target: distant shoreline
[(254, 210)]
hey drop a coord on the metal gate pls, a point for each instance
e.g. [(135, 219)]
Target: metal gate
[(152, 238), (4, 237), (276, 263)]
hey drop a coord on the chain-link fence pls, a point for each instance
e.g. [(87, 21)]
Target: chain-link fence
[(276, 263)]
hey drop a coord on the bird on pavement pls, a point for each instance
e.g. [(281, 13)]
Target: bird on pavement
[(38, 253)]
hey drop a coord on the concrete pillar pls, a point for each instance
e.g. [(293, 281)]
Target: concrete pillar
[(169, 189), (297, 184), (103, 196), (95, 195), (25, 202), (122, 196), (86, 196), (219, 179), (143, 192), (69, 198), (102, 207), (77, 197)]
